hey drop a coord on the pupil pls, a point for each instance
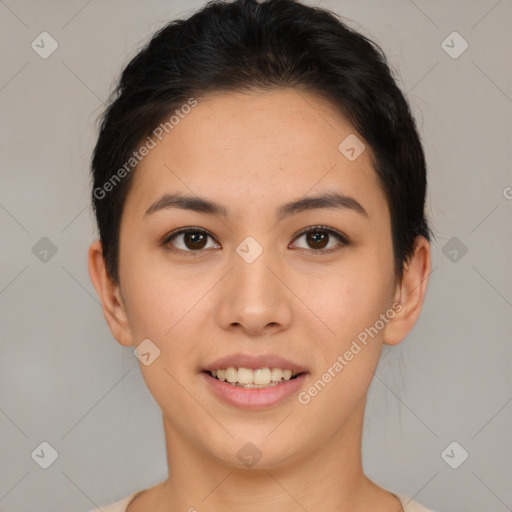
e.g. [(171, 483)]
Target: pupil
[(317, 239), (195, 238)]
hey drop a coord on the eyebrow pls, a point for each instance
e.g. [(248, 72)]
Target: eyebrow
[(330, 200)]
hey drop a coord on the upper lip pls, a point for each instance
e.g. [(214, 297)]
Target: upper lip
[(254, 362)]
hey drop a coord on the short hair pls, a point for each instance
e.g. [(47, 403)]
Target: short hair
[(249, 45)]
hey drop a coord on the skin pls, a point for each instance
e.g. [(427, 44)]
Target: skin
[(252, 152)]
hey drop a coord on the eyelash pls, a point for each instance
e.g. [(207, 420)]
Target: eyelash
[(339, 236)]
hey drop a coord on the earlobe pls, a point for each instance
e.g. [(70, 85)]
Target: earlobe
[(410, 293), (109, 295)]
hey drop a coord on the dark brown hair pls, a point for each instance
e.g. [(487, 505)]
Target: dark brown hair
[(251, 45)]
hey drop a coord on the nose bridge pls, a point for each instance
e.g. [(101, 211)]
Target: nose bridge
[(251, 266), (250, 250), (254, 298)]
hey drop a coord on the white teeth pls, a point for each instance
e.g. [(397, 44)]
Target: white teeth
[(248, 377), (277, 374), (262, 376), (231, 374), (245, 376)]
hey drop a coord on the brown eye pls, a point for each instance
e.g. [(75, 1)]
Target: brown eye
[(188, 240), (318, 237), (194, 240)]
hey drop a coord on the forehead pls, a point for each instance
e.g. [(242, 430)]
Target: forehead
[(256, 145)]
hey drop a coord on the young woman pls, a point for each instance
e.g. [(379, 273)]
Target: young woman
[(259, 187)]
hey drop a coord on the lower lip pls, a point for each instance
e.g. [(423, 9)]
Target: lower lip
[(254, 398)]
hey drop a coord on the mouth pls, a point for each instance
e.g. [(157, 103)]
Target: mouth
[(251, 395), (248, 378), (254, 381)]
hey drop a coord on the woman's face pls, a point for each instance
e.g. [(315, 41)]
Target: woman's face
[(255, 285)]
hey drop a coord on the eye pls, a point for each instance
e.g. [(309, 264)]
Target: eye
[(318, 237), (193, 240)]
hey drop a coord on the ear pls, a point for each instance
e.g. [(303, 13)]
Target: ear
[(410, 293), (109, 295)]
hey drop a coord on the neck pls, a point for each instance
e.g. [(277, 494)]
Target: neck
[(328, 477)]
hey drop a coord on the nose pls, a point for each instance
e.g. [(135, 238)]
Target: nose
[(254, 298)]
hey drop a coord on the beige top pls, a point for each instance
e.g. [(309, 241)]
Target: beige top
[(121, 505)]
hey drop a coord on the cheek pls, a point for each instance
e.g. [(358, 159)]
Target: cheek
[(162, 309), (349, 300), (350, 304), (157, 295), (167, 308)]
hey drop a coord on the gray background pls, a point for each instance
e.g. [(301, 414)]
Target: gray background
[(66, 381)]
